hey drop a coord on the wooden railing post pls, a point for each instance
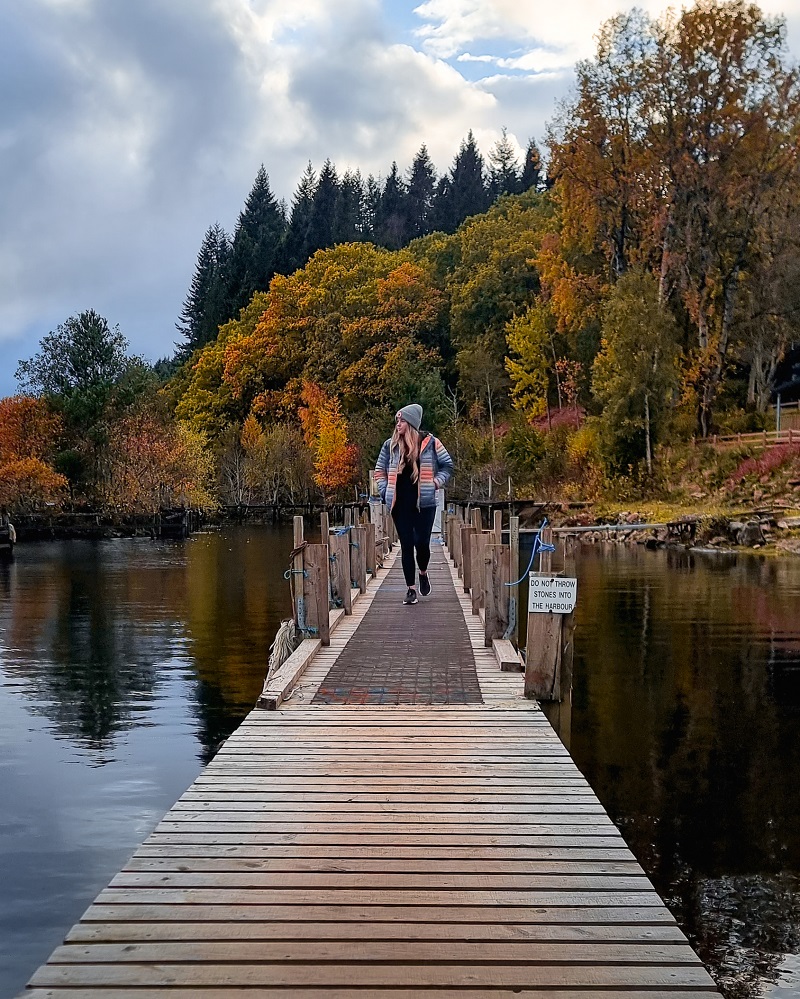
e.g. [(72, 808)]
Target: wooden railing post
[(457, 524), (513, 591), (497, 527), (478, 543), (467, 535), (316, 591), (358, 557), (496, 566), (371, 558), (340, 570), (543, 643), (324, 526), (299, 608)]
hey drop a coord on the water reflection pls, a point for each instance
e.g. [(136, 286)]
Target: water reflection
[(91, 628), (687, 723), (122, 666)]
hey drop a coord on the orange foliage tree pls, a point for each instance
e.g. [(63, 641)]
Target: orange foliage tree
[(336, 460), (29, 433), (154, 464)]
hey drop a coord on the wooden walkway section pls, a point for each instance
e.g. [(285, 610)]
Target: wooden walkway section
[(345, 845)]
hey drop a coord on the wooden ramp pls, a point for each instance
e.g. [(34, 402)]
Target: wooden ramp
[(338, 850)]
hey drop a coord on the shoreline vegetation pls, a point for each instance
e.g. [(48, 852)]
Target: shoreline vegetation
[(775, 530), (603, 324)]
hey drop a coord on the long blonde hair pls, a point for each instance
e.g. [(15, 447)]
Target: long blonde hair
[(407, 441)]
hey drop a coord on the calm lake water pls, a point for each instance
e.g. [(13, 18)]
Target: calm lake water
[(124, 663)]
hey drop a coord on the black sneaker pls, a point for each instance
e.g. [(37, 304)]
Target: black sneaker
[(424, 585), (411, 596)]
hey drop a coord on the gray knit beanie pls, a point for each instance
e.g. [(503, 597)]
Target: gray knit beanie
[(412, 415)]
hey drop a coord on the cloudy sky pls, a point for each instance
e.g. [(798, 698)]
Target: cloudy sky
[(127, 127)]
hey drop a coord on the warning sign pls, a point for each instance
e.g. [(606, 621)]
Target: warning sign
[(551, 594)]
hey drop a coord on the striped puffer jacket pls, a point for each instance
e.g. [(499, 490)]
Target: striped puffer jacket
[(435, 468)]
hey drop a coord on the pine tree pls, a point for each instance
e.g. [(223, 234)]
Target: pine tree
[(442, 215), (348, 222), (504, 172), (532, 169), (465, 192), (372, 204), (320, 233), (208, 303), (257, 243), (295, 252), (390, 226), (420, 195)]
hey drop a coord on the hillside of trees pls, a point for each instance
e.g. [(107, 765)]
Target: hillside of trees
[(577, 336)]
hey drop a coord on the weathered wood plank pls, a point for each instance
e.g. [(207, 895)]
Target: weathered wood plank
[(284, 678), (366, 976)]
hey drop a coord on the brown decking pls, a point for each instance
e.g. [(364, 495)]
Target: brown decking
[(339, 850), (407, 655)]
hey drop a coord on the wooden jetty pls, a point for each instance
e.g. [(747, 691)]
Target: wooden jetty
[(402, 823)]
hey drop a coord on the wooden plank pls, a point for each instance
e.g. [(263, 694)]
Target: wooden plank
[(285, 678), (366, 976), (367, 951), (233, 929), (508, 658), (275, 912), (390, 992)]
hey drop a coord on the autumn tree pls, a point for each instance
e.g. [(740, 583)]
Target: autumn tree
[(155, 463), (636, 372), (336, 460), (677, 155), (529, 361), (29, 436)]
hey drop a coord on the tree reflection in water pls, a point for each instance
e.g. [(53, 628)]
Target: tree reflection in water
[(686, 721)]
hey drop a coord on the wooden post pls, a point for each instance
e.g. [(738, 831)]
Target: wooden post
[(478, 544), (457, 525), (497, 527), (348, 516), (297, 573), (324, 526), (559, 714), (544, 643), (496, 566), (316, 592), (475, 518), (370, 555), (358, 557), (513, 591), (467, 534), (340, 570)]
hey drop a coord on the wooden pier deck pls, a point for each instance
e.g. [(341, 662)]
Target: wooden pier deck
[(401, 826)]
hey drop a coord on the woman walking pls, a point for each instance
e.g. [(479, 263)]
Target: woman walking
[(410, 468)]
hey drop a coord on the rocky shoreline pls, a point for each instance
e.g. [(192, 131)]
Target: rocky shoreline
[(758, 530)]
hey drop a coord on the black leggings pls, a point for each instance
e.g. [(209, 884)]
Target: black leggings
[(414, 531)]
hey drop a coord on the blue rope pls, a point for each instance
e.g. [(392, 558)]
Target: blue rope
[(539, 547)]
